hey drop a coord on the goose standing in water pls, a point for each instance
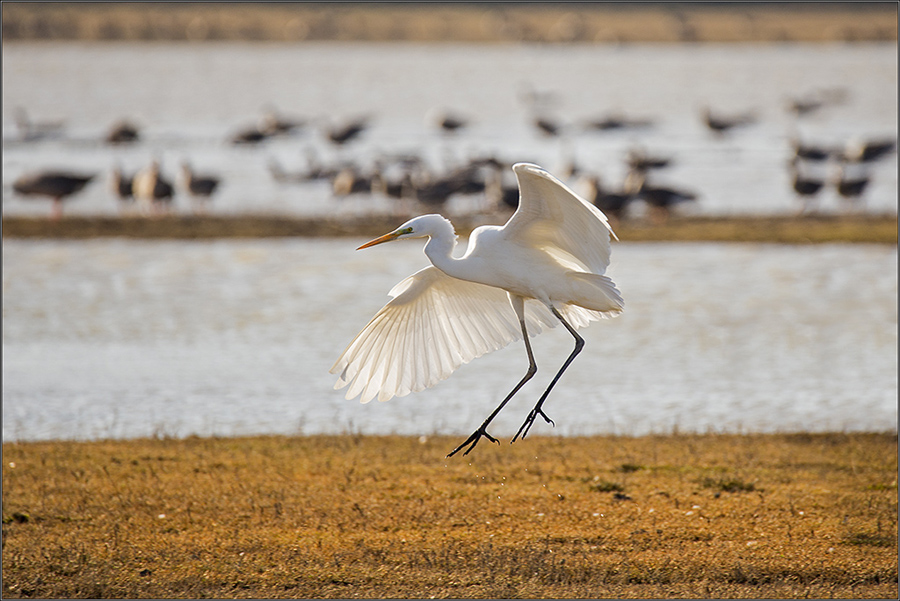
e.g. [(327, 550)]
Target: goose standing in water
[(612, 203), (806, 186), (275, 124), (637, 159), (351, 180), (719, 124), (546, 126), (446, 121), (199, 187), (122, 187), (57, 185), (251, 135), (341, 134), (122, 132), (152, 190), (660, 200), (860, 151), (810, 152), (851, 183), (617, 122)]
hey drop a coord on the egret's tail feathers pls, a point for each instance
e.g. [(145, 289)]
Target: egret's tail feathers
[(597, 293)]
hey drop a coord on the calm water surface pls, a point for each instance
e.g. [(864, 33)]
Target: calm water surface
[(115, 338)]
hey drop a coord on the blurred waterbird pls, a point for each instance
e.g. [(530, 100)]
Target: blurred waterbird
[(122, 132), (851, 183), (661, 200), (346, 132), (721, 124), (152, 189), (447, 121), (57, 185), (200, 187), (805, 185), (861, 151), (122, 187)]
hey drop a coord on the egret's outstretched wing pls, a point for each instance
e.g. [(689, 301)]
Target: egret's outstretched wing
[(434, 324), (552, 217)]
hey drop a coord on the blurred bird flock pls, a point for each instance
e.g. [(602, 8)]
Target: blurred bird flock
[(326, 149)]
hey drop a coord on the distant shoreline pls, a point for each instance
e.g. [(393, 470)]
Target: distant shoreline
[(879, 229), (454, 22)]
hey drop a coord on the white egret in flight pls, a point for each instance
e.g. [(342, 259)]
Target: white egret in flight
[(544, 267)]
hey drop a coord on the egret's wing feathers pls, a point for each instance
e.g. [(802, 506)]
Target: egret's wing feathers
[(552, 217), (434, 324)]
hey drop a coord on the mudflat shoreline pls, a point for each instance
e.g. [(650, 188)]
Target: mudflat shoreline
[(454, 22), (880, 229)]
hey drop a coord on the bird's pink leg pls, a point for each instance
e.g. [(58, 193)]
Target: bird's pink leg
[(579, 344), (56, 210)]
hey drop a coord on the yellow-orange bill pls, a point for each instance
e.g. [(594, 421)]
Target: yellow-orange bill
[(379, 240)]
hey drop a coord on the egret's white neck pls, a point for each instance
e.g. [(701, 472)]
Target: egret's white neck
[(440, 245)]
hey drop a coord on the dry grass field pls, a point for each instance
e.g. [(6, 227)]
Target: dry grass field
[(782, 515), (461, 22)]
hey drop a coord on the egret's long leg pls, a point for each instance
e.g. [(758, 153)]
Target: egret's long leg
[(579, 344), (482, 430)]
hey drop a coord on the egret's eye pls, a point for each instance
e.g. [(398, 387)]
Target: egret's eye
[(404, 231)]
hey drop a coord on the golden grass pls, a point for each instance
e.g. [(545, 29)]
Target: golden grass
[(794, 515), (539, 22), (791, 230), (880, 229)]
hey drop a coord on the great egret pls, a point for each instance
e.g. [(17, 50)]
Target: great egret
[(544, 267)]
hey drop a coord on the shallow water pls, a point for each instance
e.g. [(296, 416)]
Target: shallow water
[(189, 98), (115, 338)]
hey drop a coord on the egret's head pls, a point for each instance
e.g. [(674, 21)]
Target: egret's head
[(404, 231), (420, 227)]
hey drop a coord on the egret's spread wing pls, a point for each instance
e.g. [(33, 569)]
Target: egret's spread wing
[(552, 217), (434, 324)]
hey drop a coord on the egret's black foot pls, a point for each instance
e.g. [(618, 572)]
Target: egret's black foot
[(529, 421), (473, 440)]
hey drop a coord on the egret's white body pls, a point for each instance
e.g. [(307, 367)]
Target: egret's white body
[(543, 267)]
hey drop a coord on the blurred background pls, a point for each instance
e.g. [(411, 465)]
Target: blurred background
[(652, 111)]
